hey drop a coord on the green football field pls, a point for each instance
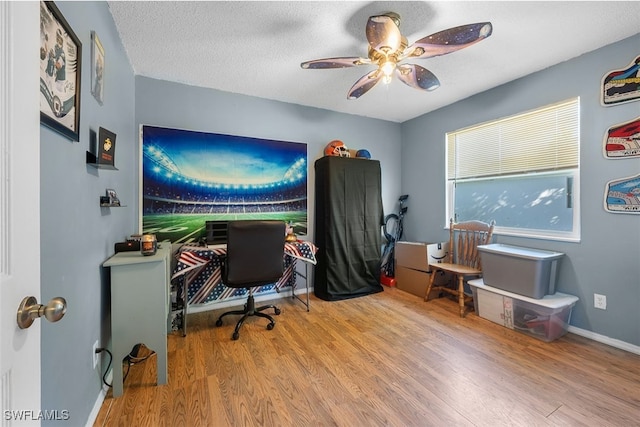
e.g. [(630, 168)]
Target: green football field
[(185, 228)]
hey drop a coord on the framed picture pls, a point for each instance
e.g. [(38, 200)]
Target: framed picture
[(113, 197), (60, 70), (97, 68)]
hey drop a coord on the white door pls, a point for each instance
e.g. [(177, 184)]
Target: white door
[(19, 209)]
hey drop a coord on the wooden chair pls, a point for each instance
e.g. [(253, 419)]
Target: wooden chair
[(463, 260)]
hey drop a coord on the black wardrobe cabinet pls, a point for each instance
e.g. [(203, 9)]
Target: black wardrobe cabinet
[(348, 219)]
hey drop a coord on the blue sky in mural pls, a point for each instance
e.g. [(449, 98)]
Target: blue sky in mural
[(226, 159)]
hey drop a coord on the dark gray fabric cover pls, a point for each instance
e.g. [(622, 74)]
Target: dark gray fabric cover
[(348, 219)]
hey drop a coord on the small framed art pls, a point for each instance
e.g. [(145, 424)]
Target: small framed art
[(113, 197), (97, 68), (60, 70)]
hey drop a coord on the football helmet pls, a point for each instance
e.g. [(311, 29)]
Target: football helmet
[(363, 154), (336, 148)]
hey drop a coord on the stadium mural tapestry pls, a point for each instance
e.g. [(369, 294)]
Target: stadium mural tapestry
[(190, 177)]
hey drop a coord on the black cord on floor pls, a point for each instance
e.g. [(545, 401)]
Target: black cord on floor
[(130, 358)]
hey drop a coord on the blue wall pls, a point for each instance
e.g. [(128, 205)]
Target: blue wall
[(77, 235), (606, 259), (209, 110)]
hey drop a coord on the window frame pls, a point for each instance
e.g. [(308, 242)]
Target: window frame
[(574, 172)]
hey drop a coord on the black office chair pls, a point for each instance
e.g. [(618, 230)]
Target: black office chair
[(255, 252)]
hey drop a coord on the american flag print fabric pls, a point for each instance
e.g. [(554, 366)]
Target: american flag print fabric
[(306, 251), (199, 271)]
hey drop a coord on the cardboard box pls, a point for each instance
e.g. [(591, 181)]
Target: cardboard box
[(413, 281), (546, 319), (418, 255), (525, 271), (412, 272)]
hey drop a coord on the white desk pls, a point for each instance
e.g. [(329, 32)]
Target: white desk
[(140, 287)]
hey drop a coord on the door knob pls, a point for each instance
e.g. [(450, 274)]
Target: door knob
[(30, 310)]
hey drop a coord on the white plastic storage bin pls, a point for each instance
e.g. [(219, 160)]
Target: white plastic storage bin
[(546, 319), (524, 271)]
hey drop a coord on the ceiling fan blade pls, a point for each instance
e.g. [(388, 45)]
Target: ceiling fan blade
[(448, 41), (341, 62), (417, 77), (383, 34), (366, 82)]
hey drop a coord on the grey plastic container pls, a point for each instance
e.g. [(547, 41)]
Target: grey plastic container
[(524, 271)]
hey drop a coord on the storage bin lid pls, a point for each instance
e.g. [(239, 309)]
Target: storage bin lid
[(556, 300), (520, 252)]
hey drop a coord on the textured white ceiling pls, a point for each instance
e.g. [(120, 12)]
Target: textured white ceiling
[(255, 48)]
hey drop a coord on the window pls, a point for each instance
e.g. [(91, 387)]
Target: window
[(521, 171)]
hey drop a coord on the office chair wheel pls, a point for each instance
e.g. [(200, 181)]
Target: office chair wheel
[(219, 322), (235, 336), (277, 311), (270, 326)]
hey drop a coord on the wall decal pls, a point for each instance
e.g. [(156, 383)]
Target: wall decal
[(190, 177), (623, 195), (620, 86), (622, 141)]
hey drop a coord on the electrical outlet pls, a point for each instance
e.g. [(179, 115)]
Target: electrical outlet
[(95, 355), (600, 301)]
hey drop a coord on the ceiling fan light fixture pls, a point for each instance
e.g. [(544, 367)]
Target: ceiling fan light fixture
[(388, 68), (388, 49)]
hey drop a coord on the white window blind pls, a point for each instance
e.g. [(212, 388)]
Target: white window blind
[(546, 139)]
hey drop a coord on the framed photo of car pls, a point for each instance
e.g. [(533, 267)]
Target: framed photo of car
[(60, 70)]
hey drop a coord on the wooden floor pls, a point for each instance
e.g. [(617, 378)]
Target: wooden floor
[(387, 359)]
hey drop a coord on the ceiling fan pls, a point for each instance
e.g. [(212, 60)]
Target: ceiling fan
[(388, 48)]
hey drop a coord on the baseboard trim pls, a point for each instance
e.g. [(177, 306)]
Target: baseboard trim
[(622, 345), (93, 415)]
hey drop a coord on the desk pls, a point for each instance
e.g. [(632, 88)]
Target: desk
[(199, 271), (140, 288)]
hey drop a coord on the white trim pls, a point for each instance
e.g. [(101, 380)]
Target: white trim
[(5, 135), (465, 160), (622, 345), (93, 415)]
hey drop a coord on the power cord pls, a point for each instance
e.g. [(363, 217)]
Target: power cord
[(131, 359), (100, 350)]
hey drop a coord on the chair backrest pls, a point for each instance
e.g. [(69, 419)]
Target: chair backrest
[(464, 239), (255, 251)]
